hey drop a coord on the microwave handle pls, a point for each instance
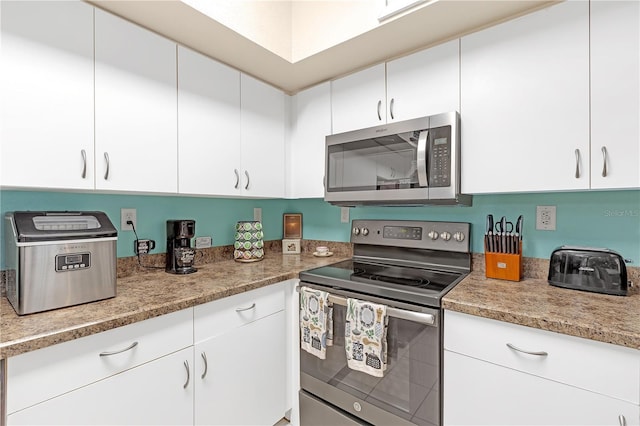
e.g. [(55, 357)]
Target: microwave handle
[(421, 163)]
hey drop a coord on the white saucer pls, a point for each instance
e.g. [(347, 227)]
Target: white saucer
[(325, 254)]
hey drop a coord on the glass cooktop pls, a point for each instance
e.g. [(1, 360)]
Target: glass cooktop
[(404, 283)]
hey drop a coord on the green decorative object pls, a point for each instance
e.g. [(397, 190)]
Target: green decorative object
[(249, 244)]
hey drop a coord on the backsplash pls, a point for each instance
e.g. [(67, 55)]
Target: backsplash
[(608, 219)]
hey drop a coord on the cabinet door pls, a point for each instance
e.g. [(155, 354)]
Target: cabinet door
[(136, 116), (47, 95), (159, 392), (482, 393), (359, 100), (425, 83), (615, 94), (262, 132), (208, 126), (245, 380), (525, 103), (311, 124)]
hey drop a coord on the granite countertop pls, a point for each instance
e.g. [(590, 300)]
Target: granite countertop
[(533, 302), (146, 295)]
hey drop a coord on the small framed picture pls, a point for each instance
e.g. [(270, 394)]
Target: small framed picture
[(292, 226), (291, 246)]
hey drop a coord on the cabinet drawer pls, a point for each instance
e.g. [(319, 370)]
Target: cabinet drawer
[(220, 316), (42, 374), (599, 367)]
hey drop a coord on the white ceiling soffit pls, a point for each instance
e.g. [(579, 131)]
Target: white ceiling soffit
[(425, 25)]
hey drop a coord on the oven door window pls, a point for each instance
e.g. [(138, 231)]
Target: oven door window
[(386, 162), (410, 386)]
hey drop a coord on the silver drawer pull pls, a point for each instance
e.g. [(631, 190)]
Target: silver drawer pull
[(537, 353), (577, 152), (128, 348), (186, 366), (206, 367), (246, 309), (622, 420)]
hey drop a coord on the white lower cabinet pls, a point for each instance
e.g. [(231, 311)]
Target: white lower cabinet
[(562, 380), (241, 373), (159, 392)]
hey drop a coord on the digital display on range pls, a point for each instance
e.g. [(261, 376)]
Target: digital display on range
[(402, 232), (73, 259)]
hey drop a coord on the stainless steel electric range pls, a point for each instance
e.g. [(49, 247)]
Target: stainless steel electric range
[(408, 266)]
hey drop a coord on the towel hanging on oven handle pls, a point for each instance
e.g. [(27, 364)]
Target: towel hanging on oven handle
[(420, 317)]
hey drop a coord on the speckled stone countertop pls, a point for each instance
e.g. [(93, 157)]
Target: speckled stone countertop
[(145, 295), (533, 302)]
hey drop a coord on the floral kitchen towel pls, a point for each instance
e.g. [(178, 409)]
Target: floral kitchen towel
[(366, 337), (316, 322)]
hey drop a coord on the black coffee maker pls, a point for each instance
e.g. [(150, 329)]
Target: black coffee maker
[(180, 255)]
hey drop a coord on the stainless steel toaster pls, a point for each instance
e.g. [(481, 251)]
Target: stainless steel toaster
[(598, 270), (58, 259)]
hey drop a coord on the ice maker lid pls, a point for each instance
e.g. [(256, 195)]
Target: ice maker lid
[(34, 226)]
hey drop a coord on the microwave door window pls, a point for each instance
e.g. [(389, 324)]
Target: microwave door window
[(381, 163)]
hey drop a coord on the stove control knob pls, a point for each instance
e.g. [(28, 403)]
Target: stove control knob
[(365, 231), (458, 236), (356, 231), (445, 236), (433, 235)]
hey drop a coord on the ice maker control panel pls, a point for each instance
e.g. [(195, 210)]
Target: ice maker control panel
[(73, 262)]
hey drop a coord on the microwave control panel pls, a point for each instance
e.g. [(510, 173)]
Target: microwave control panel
[(440, 156)]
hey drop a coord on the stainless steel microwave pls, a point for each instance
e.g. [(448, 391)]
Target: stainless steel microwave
[(413, 162)]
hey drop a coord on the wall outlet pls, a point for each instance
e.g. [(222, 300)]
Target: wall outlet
[(546, 218), (126, 215), (203, 242), (257, 214), (344, 214)]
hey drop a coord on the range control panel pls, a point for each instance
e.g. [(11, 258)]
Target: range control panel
[(450, 236)]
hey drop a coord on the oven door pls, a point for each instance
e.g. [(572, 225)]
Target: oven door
[(409, 392)]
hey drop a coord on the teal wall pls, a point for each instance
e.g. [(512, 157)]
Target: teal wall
[(598, 219)]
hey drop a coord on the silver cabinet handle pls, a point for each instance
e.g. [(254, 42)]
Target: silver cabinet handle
[(622, 420), (379, 113), (604, 161), (246, 173), (128, 348), (537, 353), (253, 305), (84, 163), (204, 358), (391, 108), (106, 173), (237, 178), (186, 366), (577, 164)]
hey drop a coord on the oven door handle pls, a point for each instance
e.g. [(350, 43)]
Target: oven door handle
[(419, 317)]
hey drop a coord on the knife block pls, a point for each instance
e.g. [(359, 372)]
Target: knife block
[(503, 266)]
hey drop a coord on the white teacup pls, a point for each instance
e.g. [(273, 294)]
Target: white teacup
[(322, 249)]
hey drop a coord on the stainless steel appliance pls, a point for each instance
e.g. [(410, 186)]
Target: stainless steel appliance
[(408, 266), (411, 162), (180, 255), (598, 270), (58, 259)]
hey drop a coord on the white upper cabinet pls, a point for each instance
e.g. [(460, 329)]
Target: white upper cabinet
[(525, 103), (47, 95), (208, 126), (425, 83), (135, 108), (310, 125), (615, 94), (358, 100), (262, 131)]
